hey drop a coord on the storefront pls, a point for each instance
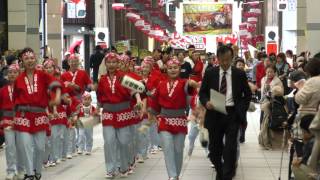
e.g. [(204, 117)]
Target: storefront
[(79, 22)]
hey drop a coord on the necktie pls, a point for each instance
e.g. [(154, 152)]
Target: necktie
[(223, 85)]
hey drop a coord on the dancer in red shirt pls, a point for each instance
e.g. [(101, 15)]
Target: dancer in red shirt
[(6, 122), (171, 97), (117, 117), (76, 80), (31, 98), (58, 119)]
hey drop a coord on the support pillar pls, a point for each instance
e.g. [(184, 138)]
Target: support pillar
[(301, 26), (55, 29), (23, 24), (16, 24), (313, 26)]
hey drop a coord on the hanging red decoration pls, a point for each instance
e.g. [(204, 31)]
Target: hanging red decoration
[(118, 6)]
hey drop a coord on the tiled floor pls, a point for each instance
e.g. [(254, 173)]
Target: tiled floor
[(254, 164)]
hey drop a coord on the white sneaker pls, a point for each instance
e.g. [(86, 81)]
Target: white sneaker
[(153, 151), (88, 153), (131, 170), (69, 156), (140, 159), (110, 176), (124, 175), (58, 161), (20, 175), (46, 165), (10, 176), (52, 164), (80, 152)]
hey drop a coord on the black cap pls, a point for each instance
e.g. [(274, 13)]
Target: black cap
[(191, 46), (297, 76), (10, 59)]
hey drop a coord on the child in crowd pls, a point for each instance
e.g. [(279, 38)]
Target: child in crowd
[(86, 133)]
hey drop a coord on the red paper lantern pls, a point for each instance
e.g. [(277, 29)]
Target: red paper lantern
[(118, 6), (139, 24), (252, 20), (133, 17), (253, 4)]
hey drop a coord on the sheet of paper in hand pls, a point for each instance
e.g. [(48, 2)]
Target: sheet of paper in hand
[(219, 101)]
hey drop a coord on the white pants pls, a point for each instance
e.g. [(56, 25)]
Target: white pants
[(72, 141), (116, 140), (13, 159), (57, 137), (85, 139), (32, 147), (173, 146)]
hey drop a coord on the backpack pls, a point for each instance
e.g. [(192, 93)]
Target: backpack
[(278, 113)]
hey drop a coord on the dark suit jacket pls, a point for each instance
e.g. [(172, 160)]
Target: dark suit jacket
[(240, 91)]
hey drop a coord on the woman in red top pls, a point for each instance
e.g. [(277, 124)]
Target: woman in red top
[(117, 117), (31, 97), (76, 80), (171, 97), (151, 77), (58, 119), (6, 123)]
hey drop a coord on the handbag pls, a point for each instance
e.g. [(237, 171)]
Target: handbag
[(252, 107), (315, 124), (204, 137)]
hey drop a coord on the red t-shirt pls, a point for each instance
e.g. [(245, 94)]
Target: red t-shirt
[(6, 104), (112, 92), (34, 95), (80, 78), (260, 73), (173, 98), (197, 71)]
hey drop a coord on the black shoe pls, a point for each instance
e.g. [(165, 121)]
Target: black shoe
[(242, 139), (218, 177), (37, 176), (26, 177)]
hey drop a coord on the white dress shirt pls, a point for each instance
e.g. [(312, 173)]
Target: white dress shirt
[(189, 60), (229, 98)]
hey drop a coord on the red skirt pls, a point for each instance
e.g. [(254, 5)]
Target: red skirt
[(6, 122), (173, 125), (119, 119), (31, 122), (60, 120)]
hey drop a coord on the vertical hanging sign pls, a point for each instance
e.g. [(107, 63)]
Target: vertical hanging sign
[(272, 39)]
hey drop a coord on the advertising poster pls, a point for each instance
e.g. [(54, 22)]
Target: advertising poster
[(76, 9), (207, 19), (102, 37)]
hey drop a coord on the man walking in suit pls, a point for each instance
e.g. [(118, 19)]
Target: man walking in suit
[(233, 84)]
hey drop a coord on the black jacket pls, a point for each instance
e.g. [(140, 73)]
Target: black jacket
[(186, 70), (240, 91), (96, 59)]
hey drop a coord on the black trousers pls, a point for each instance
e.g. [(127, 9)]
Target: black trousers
[(224, 154), (95, 74)]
